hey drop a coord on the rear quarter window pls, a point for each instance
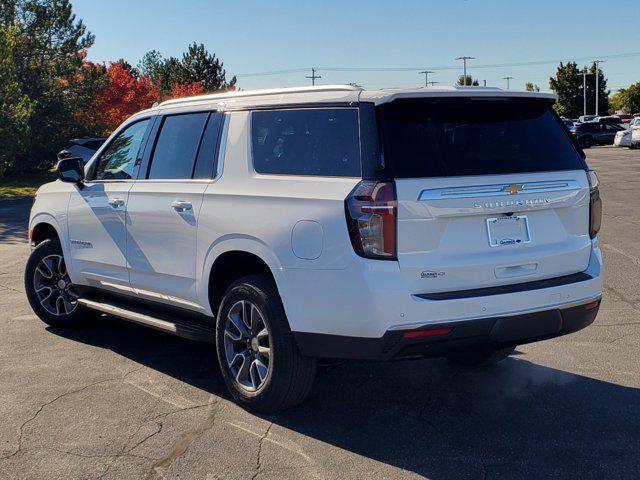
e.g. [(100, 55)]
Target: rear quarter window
[(457, 137), (321, 142)]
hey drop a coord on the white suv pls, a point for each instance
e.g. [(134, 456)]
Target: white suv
[(328, 222)]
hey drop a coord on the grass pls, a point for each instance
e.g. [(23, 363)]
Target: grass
[(26, 185)]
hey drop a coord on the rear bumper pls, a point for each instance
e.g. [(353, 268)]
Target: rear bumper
[(497, 331)]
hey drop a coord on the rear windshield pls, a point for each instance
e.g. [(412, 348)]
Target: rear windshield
[(454, 137)]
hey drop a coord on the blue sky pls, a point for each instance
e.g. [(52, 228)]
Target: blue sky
[(265, 36)]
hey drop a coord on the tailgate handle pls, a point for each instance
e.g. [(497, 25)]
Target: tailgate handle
[(516, 270)]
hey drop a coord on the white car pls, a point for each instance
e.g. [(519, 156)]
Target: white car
[(623, 138), (271, 223)]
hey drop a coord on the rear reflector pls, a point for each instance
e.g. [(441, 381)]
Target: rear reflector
[(592, 305), (436, 332)]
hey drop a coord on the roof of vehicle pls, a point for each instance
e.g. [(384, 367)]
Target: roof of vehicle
[(339, 94)]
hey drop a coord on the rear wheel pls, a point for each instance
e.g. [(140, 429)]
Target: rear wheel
[(259, 359), (586, 142), (50, 292), (478, 356)]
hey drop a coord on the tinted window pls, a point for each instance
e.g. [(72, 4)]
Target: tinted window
[(207, 155), (306, 142), (177, 145), (453, 137), (118, 161)]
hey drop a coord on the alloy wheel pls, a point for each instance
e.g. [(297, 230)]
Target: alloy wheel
[(247, 345), (53, 286)]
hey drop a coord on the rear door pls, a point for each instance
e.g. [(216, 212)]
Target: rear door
[(164, 206), (490, 192)]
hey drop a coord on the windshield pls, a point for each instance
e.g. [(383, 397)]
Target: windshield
[(474, 136)]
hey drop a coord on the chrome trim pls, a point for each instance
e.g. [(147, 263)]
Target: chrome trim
[(497, 190), (560, 306)]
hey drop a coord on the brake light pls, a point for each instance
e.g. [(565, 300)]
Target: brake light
[(595, 204), (371, 210)]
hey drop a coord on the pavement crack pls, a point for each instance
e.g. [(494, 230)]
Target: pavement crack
[(185, 441), (260, 443)]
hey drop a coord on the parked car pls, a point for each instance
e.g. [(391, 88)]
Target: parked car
[(586, 118), (623, 138), (568, 122), (624, 118), (596, 133), (83, 148), (269, 223), (635, 138), (608, 119)]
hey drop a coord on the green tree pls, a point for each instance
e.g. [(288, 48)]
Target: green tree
[(49, 60), (568, 85), (627, 99), (531, 87), (201, 66), (15, 107), (468, 81)]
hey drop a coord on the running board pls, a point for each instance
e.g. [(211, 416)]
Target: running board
[(169, 324)]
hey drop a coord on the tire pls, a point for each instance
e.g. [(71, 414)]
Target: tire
[(259, 359), (586, 142), (480, 356), (50, 292)]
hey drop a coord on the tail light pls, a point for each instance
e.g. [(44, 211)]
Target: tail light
[(371, 210), (595, 204)]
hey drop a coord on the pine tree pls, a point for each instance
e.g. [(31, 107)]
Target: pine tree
[(468, 81)]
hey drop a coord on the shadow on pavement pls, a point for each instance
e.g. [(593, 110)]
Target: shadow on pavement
[(14, 219), (514, 420)]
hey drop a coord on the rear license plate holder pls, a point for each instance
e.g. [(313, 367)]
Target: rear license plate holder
[(512, 230)]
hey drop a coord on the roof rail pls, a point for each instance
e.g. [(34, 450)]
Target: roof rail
[(254, 93)]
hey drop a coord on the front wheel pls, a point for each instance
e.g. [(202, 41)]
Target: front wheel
[(479, 356), (586, 142), (259, 359), (50, 292)]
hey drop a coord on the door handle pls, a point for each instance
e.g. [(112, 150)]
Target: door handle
[(180, 206), (116, 202)]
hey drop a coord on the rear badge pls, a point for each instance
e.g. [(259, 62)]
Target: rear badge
[(431, 274)]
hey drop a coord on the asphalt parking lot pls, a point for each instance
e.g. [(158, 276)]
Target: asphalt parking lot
[(120, 401)]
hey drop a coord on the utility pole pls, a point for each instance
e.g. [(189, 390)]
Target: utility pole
[(464, 62), (426, 76), (597, 64), (313, 76), (507, 79), (484, 83)]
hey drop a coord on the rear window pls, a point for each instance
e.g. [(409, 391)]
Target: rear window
[(454, 137), (322, 142)]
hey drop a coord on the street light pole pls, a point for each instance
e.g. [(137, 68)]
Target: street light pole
[(584, 91), (597, 64), (426, 77), (464, 63)]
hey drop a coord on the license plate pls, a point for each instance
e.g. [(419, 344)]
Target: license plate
[(513, 230)]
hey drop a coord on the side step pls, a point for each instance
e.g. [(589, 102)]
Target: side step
[(170, 324)]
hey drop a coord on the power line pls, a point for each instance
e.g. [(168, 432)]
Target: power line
[(438, 68)]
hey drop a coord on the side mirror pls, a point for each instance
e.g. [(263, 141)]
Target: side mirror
[(71, 170)]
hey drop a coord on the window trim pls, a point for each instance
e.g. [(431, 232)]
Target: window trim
[(158, 131), (251, 160), (92, 166)]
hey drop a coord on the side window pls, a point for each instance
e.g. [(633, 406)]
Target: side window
[(319, 141), (177, 145), (118, 161), (208, 152)]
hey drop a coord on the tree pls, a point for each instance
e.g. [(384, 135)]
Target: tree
[(197, 66), (530, 87), (15, 107), (568, 85), (468, 81), (187, 90), (627, 99), (125, 95), (48, 57)]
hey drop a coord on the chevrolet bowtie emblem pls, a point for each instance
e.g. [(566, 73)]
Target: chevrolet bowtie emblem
[(513, 188)]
